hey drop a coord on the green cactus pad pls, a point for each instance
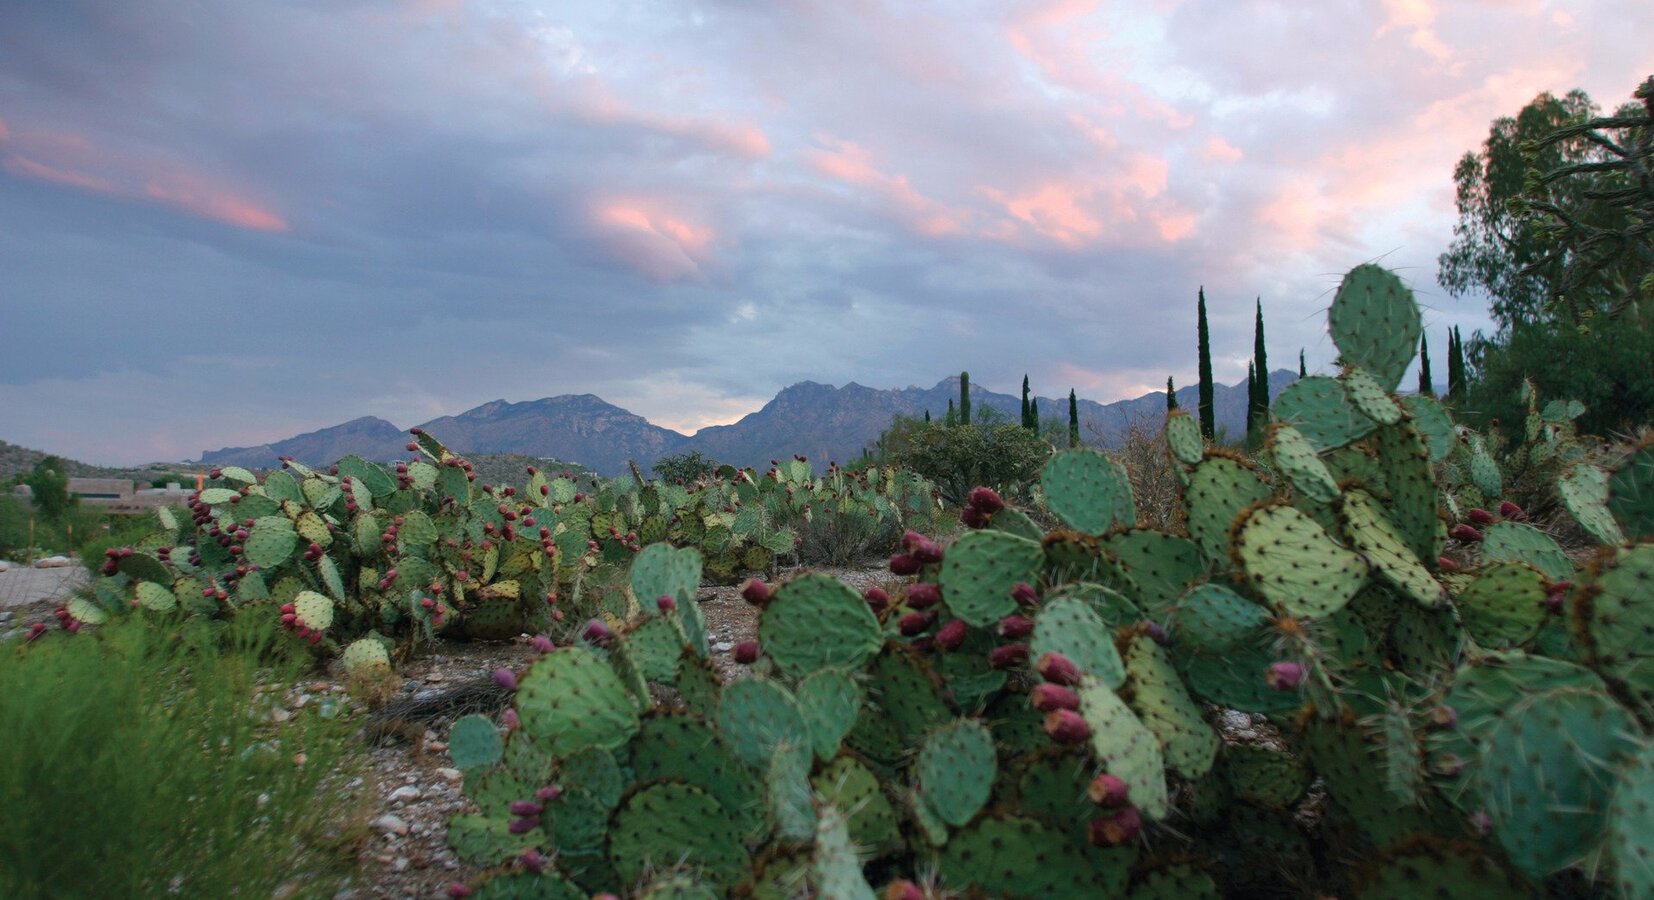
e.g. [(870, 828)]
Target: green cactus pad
[(1014, 521), (830, 700), (1265, 776), (1409, 484), (979, 571), (675, 886), (836, 868), (816, 621), (846, 784), (1320, 409), (85, 611), (1631, 826), (698, 685), (1503, 605), (580, 822), (1631, 492), (474, 743), (654, 646), (1010, 856), (755, 715), (780, 873), (1163, 704), (1484, 469), (1160, 565), (314, 611), (1425, 638), (271, 541), (1584, 491), (1293, 564), (1125, 747), (486, 840), (956, 770), (328, 571), (1183, 437), (1546, 776), (1177, 882), (1113, 607), (366, 655), (217, 496), (1517, 542), (663, 569), (1372, 535), (1212, 618), (144, 567), (683, 748), (1018, 727), (1069, 626), (528, 886), (1219, 490), (787, 788), (1369, 396), (1234, 678), (1297, 460), (1350, 762), (155, 597), (1433, 424), (1613, 617), (903, 691), (1050, 785), (1088, 491), (1375, 323), (573, 699), (1452, 871), (280, 487), (660, 826)]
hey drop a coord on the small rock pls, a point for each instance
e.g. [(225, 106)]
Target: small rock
[(300, 701), (389, 824), (280, 715), (400, 864), (404, 794), (436, 746), (433, 677), (450, 774), (724, 646)]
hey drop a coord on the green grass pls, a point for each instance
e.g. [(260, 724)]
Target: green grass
[(139, 761)]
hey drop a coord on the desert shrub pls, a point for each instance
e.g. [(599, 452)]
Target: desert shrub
[(142, 762)]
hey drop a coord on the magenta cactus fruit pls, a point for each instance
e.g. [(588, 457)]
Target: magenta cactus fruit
[(1016, 627), (927, 551), (915, 623), (1048, 697), (1065, 726), (665, 603), (1058, 669), (526, 808), (524, 825), (973, 517), (1511, 511), (505, 678), (548, 793), (1108, 791), (542, 644), (459, 889), (1444, 717), (1024, 594), (1008, 655), (1479, 516), (756, 592), (1463, 532), (1284, 676), (597, 633), (877, 599), (1119, 828), (746, 652), (902, 889), (1446, 564), (922, 595), (904, 564), (986, 499), (951, 635), (533, 860)]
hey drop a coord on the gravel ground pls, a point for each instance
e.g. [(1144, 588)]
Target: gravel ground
[(21, 585)]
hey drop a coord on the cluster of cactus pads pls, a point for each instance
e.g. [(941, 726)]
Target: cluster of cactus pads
[(1317, 689), (383, 554)]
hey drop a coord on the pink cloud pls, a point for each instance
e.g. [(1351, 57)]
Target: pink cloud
[(737, 139), (658, 244), (1418, 17), (1057, 38), (4, 131), (76, 163), (1219, 150), (1082, 210), (852, 164)]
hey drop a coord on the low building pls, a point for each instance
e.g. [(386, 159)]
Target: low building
[(116, 495)]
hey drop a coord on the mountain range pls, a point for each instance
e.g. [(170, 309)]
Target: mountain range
[(818, 421)]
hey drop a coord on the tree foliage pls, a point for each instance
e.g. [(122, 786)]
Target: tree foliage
[(685, 468), (1002, 456), (1207, 420), (48, 483)]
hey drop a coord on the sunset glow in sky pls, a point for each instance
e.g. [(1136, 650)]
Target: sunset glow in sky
[(227, 223)]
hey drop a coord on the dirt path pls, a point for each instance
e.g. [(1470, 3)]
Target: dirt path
[(22, 585)]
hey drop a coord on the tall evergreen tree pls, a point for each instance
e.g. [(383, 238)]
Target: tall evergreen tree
[(1427, 387), (964, 398), (1302, 372), (1456, 375), (1208, 426), (952, 417), (1073, 419), (1033, 415), (1260, 367), (1171, 395), (1025, 400), (1251, 399), (927, 417)]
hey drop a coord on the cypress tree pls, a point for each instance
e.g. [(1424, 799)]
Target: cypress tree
[(1302, 372), (1208, 425), (1455, 365), (1427, 387), (927, 417), (952, 417), (1033, 415), (1073, 419), (1251, 399), (1171, 395), (1025, 400), (1260, 362), (964, 398)]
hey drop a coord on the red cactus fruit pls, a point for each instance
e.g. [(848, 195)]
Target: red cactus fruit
[(665, 603), (1120, 828), (922, 595), (524, 825), (1284, 676), (973, 517), (877, 599), (1058, 669), (756, 592), (746, 652), (1446, 564), (533, 860), (1024, 594), (1048, 697), (927, 551), (459, 889), (986, 499), (1511, 511), (548, 793), (541, 644), (914, 623), (1065, 726), (597, 633), (526, 808), (1015, 627), (505, 678), (509, 719), (1479, 516), (1108, 791), (1463, 532), (903, 564), (1008, 655), (951, 635)]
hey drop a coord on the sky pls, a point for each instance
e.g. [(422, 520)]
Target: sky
[(225, 223)]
